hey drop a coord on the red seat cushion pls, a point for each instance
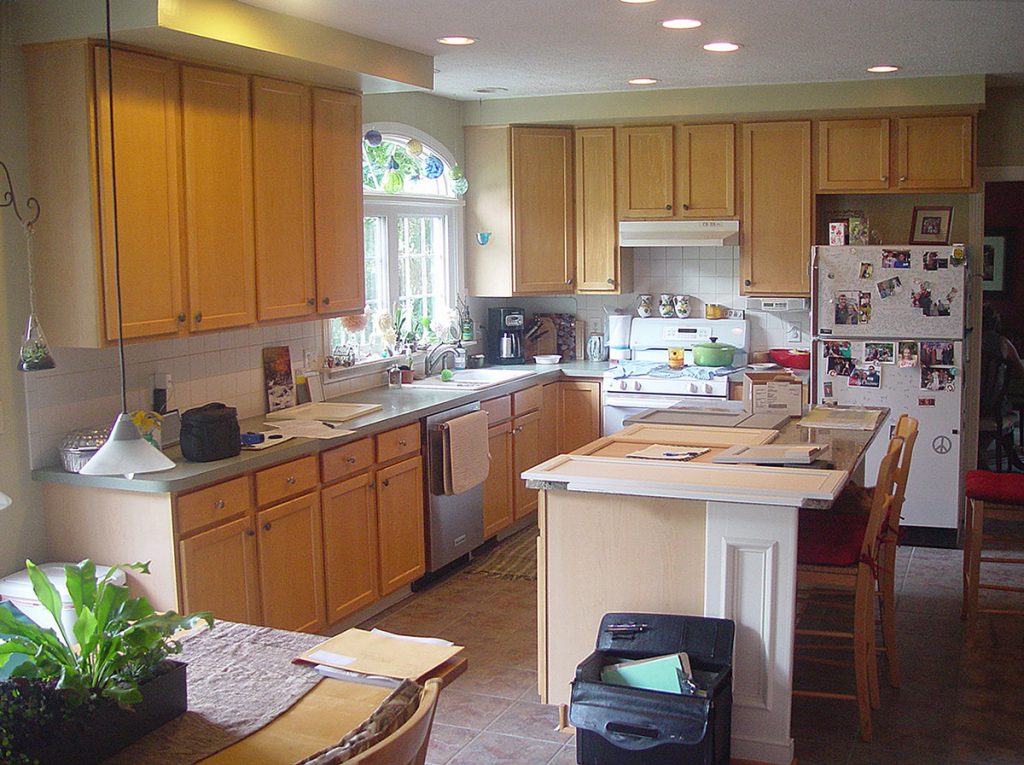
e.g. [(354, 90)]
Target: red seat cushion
[(1004, 488), (827, 538)]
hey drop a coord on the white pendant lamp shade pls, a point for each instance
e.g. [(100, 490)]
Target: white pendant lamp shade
[(126, 453), (5, 501)]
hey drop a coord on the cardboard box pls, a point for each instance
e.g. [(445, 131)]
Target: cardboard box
[(774, 392)]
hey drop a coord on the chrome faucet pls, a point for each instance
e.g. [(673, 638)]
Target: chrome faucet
[(438, 352)]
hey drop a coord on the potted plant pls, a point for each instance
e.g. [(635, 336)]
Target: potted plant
[(82, 703)]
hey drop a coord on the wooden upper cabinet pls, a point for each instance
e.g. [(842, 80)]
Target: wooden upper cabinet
[(147, 135), (542, 210), (400, 520), (597, 241), (777, 202), (705, 169), (218, 199), (853, 155), (282, 152), (218, 572), (291, 564), (338, 201), (350, 546), (935, 153), (645, 172)]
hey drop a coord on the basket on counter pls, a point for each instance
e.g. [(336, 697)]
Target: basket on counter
[(78, 447)]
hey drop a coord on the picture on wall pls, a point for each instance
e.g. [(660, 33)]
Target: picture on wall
[(996, 248), (931, 225), (277, 376)]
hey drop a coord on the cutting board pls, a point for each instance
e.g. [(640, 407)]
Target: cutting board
[(325, 412), (544, 340)]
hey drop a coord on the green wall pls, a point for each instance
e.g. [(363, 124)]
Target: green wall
[(1001, 128), (437, 116)]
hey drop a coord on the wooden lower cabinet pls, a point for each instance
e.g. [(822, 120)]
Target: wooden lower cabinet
[(218, 572), (291, 564), (550, 418), (579, 414), (402, 543), (350, 546), (525, 455), (498, 486)]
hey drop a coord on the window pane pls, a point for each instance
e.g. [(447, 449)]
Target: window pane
[(421, 265), (375, 246)]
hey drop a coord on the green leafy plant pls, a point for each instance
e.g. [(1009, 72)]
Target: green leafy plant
[(122, 641)]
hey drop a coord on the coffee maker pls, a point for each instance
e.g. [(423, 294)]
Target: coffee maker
[(505, 335)]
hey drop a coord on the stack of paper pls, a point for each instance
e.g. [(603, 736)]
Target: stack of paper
[(670, 673), (673, 453), (377, 657)]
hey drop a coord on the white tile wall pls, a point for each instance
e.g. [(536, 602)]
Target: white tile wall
[(709, 274), (83, 390)]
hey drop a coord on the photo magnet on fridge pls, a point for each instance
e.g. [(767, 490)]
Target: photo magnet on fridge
[(880, 353), (937, 353), (926, 402), (889, 287), (837, 348), (867, 376), (866, 270), (840, 367), (895, 258), (907, 353), (938, 378)]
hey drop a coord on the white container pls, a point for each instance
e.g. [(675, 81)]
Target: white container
[(17, 588)]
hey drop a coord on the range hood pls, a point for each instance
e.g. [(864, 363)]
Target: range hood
[(679, 233)]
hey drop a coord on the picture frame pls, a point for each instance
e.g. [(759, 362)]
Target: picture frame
[(931, 225), (997, 244)]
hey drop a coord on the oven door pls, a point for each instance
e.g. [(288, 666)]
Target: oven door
[(619, 406)]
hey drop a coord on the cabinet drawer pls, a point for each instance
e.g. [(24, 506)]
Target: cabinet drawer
[(346, 460), (397, 442), (528, 400), (287, 480), (497, 409), (213, 504)]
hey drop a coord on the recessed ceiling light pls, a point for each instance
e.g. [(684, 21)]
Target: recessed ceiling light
[(883, 69), (681, 23), (721, 47), (491, 89), (636, 2), (456, 40), (642, 81)]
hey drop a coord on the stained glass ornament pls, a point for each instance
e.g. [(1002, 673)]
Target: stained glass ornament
[(393, 182), (434, 168), (393, 164), (35, 352), (456, 173), (414, 147), (373, 137), (460, 186)]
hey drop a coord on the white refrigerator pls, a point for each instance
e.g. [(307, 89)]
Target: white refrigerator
[(888, 327)]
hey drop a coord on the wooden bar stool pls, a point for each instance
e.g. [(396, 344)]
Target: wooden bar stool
[(841, 552), (998, 496)]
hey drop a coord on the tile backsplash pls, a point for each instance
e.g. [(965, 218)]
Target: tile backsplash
[(706, 274)]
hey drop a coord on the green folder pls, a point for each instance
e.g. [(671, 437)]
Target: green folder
[(660, 673)]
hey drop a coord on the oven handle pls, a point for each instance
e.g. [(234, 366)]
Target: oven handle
[(643, 400)]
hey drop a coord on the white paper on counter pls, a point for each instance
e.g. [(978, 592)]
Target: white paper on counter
[(307, 429)]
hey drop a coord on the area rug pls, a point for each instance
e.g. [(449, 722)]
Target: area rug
[(515, 558)]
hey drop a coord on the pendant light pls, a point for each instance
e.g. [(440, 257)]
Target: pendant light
[(126, 452), (5, 501)]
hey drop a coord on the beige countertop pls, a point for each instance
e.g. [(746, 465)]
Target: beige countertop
[(398, 407)]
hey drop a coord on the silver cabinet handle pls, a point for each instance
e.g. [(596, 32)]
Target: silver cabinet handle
[(686, 207), (569, 280), (266, 526), (611, 282), (517, 430), (219, 504), (386, 482), (327, 301), (402, 442), (250, 532), (290, 480), (746, 282), (885, 178), (669, 207), (311, 301), (903, 179), (181, 317), (350, 460), (199, 316)]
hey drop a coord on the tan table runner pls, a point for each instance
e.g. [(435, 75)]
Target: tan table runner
[(240, 678)]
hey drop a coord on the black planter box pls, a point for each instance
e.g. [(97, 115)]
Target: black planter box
[(617, 725), (111, 728)]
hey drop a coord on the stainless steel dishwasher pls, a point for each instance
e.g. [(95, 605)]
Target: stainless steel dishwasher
[(455, 522)]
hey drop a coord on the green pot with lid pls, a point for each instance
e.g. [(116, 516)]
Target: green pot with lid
[(713, 354)]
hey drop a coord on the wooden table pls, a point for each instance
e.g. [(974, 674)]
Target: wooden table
[(618, 534)]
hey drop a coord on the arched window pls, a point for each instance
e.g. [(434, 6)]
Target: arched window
[(412, 224)]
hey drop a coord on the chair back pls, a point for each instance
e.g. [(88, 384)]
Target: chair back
[(882, 501), (906, 428), (407, 745)]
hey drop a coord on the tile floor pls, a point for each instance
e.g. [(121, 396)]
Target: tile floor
[(962, 700)]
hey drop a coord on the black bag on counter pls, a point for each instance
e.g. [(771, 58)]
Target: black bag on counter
[(209, 433)]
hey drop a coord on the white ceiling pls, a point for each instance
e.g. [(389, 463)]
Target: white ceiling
[(546, 47)]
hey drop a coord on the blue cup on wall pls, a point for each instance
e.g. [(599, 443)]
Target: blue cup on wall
[(483, 237)]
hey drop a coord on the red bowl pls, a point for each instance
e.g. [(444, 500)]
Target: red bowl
[(791, 357)]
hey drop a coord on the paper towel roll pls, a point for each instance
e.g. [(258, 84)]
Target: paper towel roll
[(618, 336)]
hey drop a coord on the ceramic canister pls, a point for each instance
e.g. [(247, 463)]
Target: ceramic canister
[(681, 303), (665, 307), (645, 306)]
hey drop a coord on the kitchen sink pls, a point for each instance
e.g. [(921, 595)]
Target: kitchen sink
[(471, 379)]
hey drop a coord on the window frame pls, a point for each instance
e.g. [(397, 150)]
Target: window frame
[(390, 206)]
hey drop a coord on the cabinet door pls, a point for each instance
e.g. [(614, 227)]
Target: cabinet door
[(148, 139), (218, 572), (350, 546), (853, 155), (498, 486), (646, 173), (579, 408), (705, 170), (935, 152), (338, 200), (543, 242), (291, 559), (400, 519), (525, 455), (282, 152), (597, 241), (776, 232), (548, 426), (218, 199)]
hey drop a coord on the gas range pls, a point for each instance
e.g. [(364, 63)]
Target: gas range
[(647, 382)]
